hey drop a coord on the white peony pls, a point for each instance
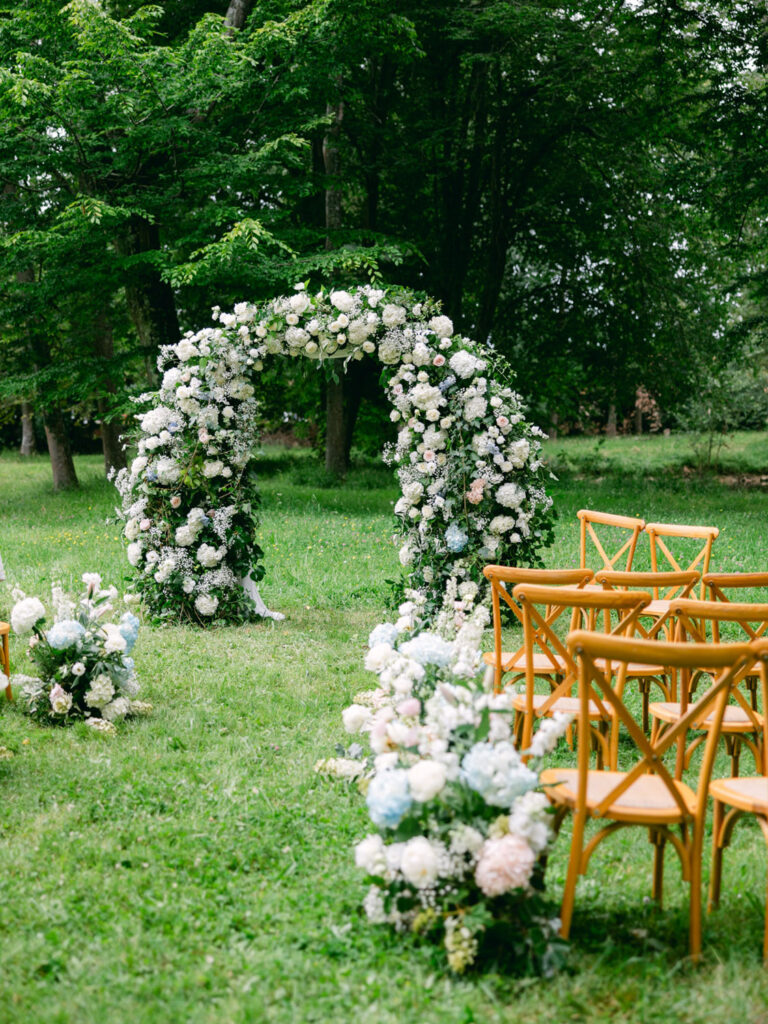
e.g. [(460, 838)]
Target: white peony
[(26, 613), (355, 717), (419, 863), (442, 326), (426, 779), (206, 604)]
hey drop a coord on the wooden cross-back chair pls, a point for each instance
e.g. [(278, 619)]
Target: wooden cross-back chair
[(622, 525), (700, 621), (647, 794), (500, 576), (718, 584), (736, 797), (541, 609), (660, 534), (5, 656), (661, 587)]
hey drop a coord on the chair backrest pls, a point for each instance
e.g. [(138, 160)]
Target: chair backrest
[(623, 525), (693, 618), (540, 613), (499, 575), (726, 660), (664, 586), (717, 583), (659, 535)]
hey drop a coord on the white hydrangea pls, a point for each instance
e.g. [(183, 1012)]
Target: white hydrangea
[(209, 556), (116, 710), (393, 315), (442, 326), (419, 863), (206, 604), (101, 691), (26, 613), (426, 779), (510, 495)]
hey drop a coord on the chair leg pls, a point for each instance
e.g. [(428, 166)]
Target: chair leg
[(7, 666), (694, 852), (659, 842), (716, 873), (645, 691), (574, 869), (733, 747)]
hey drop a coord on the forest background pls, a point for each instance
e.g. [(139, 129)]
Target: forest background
[(583, 183)]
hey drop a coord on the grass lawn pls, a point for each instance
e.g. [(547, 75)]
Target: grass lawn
[(195, 869)]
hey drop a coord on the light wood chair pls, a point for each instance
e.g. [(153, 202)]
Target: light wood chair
[(701, 621), (661, 586), (499, 576), (736, 797), (589, 537), (5, 656), (660, 534), (541, 609), (719, 584), (647, 794)]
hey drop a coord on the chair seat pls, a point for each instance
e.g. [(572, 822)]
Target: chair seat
[(568, 705), (735, 718), (656, 608), (748, 794), (541, 663), (635, 668), (647, 800)]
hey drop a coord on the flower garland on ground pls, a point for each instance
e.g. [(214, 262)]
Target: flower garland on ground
[(469, 465), (461, 831), (84, 664)]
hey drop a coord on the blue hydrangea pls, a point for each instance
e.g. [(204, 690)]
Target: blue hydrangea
[(129, 629), (384, 633), (64, 634), (428, 649), (388, 797), (456, 539), (497, 773)]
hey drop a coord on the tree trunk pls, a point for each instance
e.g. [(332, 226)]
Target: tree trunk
[(64, 475), (638, 420), (553, 422), (103, 344), (335, 429), (610, 426), (150, 301), (27, 446), (237, 12), (336, 457)]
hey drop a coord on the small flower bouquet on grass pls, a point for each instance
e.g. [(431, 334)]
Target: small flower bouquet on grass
[(461, 831), (83, 659)]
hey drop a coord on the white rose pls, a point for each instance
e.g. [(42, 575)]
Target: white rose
[(426, 779), (355, 717), (419, 863), (26, 613)]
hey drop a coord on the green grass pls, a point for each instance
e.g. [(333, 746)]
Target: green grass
[(195, 869)]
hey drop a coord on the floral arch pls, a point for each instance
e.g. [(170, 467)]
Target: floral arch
[(468, 463)]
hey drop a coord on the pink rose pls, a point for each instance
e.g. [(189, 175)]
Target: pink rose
[(429, 455), (439, 360), (502, 422), (504, 864), (175, 501), (409, 708), (145, 524)]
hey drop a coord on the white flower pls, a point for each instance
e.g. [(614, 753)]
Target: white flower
[(101, 692), (116, 710), (188, 585), (370, 855), (393, 315), (185, 536), (442, 326), (300, 302), (185, 350), (355, 717), (60, 700), (206, 604), (463, 363), (475, 408), (101, 725), (212, 469), (510, 495), (343, 301), (377, 657), (209, 556), (26, 613), (426, 779), (92, 581), (419, 863), (78, 669), (115, 642), (168, 471)]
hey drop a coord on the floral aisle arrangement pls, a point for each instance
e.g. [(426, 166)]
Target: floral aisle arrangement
[(460, 829), (468, 463), (83, 658)]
